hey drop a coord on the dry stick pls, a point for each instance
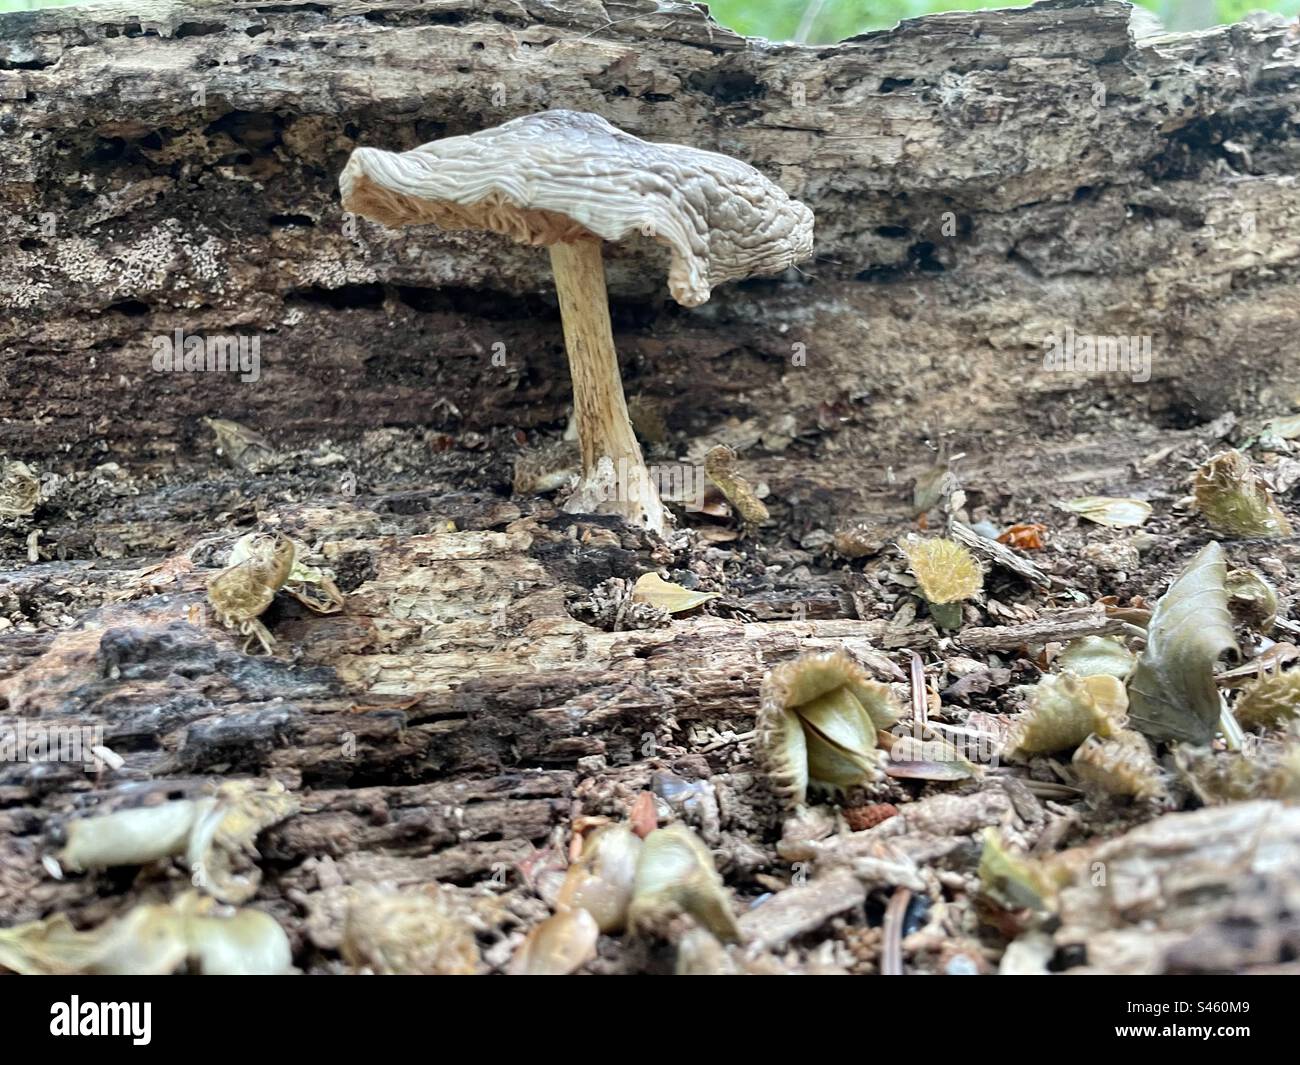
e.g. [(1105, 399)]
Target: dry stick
[(919, 698), (891, 948), (998, 554), (604, 428), (726, 741), (1059, 625)]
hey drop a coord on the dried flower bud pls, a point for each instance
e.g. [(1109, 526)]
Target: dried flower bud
[(1120, 765), (410, 932), (817, 724), (1063, 711), (1251, 599), (1269, 700), (946, 572), (1233, 499)]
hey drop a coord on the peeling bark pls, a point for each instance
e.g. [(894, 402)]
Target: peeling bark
[(979, 179)]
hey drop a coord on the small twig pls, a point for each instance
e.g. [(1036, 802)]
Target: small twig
[(634, 18), (726, 741), (1044, 789), (919, 702), (1232, 734), (1059, 625), (998, 553), (891, 947)]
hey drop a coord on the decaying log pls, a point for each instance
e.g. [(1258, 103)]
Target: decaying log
[(980, 180), (456, 662)]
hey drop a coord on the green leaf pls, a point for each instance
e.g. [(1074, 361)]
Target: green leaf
[(653, 589), (1172, 693), (840, 738), (1111, 511)]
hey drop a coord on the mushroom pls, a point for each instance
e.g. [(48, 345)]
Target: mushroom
[(568, 180)]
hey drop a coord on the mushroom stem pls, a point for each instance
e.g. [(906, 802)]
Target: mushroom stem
[(621, 486)]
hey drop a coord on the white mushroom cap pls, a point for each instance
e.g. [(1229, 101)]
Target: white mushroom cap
[(561, 176)]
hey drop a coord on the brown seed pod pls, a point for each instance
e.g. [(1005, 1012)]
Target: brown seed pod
[(817, 723), (1063, 711), (860, 818), (1269, 700), (720, 468), (857, 541), (1233, 499), (1120, 765)]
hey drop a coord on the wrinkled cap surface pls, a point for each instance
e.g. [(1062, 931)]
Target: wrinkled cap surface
[(563, 176)]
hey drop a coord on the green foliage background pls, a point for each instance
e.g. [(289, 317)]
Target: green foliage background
[(825, 21), (27, 5)]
